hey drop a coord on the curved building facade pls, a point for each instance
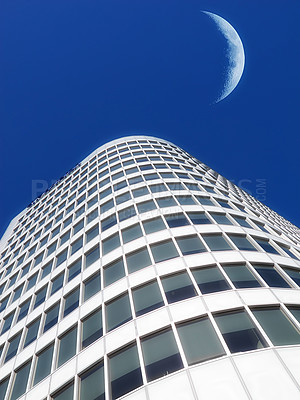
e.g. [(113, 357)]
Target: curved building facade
[(143, 274)]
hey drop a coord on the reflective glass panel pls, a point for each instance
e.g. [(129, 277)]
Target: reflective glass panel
[(92, 286), (125, 372), (92, 328), (210, 279), (92, 386), (277, 326), (161, 355), (147, 298), (44, 361), (190, 245), (240, 276), (118, 312), (164, 251), (67, 346), (199, 340), (216, 242), (113, 272), (138, 260), (178, 287), (239, 332), (271, 276)]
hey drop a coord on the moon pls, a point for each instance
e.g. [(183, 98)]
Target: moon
[(235, 55)]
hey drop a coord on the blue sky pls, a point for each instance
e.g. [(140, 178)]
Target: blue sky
[(76, 74)]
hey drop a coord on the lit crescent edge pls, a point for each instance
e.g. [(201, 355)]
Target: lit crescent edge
[(235, 54)]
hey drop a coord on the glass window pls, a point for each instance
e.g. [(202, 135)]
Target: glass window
[(108, 222), (138, 260), (24, 309), (210, 279), (242, 243), (47, 269), (277, 326), (294, 274), (199, 218), (147, 298), (32, 332), (13, 345), (32, 281), (74, 269), (266, 245), (146, 206), (178, 287), (92, 233), (44, 362), (221, 219), (205, 201), (78, 227), (92, 286), (106, 206), (68, 221), (287, 250), (140, 192), (158, 187), (75, 246), (216, 242), (92, 328), (190, 245), (241, 221), (65, 237), (92, 256), (57, 283), (61, 257), (154, 225), (161, 354), (3, 387), (92, 385), (126, 213), (118, 312), (71, 302), (4, 303), (166, 202), (17, 292), (175, 220), (295, 311), (20, 382), (113, 272), (122, 198), (67, 346), (93, 201), (175, 186), (111, 243), (7, 322), (185, 200), (39, 258), (239, 332), (240, 276), (24, 270), (92, 215), (131, 233), (164, 251), (51, 248), (134, 180), (125, 372), (51, 317), (66, 393), (199, 340), (271, 276)]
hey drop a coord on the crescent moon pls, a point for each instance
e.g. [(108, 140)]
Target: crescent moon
[(235, 54)]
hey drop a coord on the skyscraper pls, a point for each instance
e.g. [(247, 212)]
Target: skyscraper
[(143, 273)]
